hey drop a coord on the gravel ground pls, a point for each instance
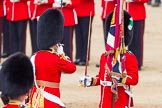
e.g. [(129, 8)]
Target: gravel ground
[(147, 94)]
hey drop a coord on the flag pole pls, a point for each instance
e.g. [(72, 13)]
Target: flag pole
[(119, 33)]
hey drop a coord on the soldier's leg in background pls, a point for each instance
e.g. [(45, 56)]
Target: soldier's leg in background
[(86, 33), (1, 24), (13, 40), (21, 29), (78, 37), (33, 35), (68, 41), (136, 45), (6, 38), (156, 3)]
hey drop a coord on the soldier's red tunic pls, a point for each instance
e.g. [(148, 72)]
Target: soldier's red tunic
[(107, 7), (106, 94), (137, 9), (12, 106), (70, 17), (48, 67), (17, 11), (85, 8), (37, 10), (1, 9)]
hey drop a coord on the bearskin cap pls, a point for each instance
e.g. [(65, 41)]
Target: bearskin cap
[(16, 75), (50, 28), (128, 27)]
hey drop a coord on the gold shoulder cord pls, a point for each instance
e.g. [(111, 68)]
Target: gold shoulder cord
[(62, 56), (52, 51), (94, 81), (14, 102), (37, 100)]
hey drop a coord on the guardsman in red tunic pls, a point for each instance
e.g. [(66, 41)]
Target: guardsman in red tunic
[(49, 62), (17, 78), (136, 8), (17, 15), (85, 13), (106, 74), (37, 7), (107, 7), (70, 20)]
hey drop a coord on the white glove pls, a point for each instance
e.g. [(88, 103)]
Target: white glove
[(39, 2), (44, 1), (57, 3), (86, 81), (60, 49), (67, 1), (130, 0), (13, 1)]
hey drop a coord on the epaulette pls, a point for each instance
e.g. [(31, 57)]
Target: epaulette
[(17, 103), (62, 56), (51, 50)]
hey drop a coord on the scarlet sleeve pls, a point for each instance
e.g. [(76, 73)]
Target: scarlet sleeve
[(131, 69), (102, 69), (66, 65)]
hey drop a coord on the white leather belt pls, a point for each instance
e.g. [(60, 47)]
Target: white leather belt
[(108, 83), (105, 83)]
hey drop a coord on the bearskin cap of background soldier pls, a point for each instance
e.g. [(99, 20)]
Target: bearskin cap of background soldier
[(128, 27), (16, 76), (50, 28)]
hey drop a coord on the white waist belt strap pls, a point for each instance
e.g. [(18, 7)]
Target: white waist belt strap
[(109, 83), (45, 94), (105, 83)]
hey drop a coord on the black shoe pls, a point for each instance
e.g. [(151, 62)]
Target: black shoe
[(4, 55), (77, 61), (97, 65), (82, 63), (139, 68), (156, 5)]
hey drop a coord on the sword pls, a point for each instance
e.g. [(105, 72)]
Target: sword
[(89, 43)]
